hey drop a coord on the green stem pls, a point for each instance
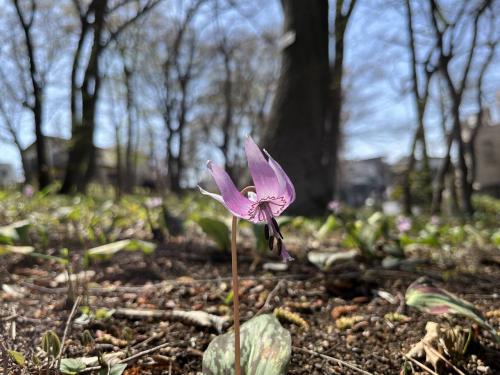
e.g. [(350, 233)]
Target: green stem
[(236, 296)]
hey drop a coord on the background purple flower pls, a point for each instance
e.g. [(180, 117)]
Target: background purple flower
[(403, 224)]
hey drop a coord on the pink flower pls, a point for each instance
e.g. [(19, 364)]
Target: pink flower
[(28, 190), (334, 206), (274, 192), (403, 224), (153, 202), (435, 220)]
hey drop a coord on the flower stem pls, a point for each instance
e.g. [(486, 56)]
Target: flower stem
[(236, 299), (236, 296)]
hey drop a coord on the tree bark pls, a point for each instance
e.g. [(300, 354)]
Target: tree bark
[(129, 151), (227, 121), (445, 47), (43, 170), (334, 117), (81, 158), (84, 97), (299, 110), (420, 98)]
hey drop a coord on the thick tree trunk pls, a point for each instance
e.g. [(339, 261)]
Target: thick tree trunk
[(81, 160), (43, 171), (299, 112)]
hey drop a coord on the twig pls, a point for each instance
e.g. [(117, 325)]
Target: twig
[(435, 352), (270, 296), (139, 289), (5, 358), (339, 361), (421, 365), (132, 357), (66, 329)]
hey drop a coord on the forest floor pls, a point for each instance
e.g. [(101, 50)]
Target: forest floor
[(184, 276), (131, 299)]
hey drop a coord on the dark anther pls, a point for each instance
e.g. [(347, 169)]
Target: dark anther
[(280, 245), (271, 243), (275, 223), (266, 232)]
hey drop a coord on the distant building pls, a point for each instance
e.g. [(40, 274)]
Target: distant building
[(363, 179), (106, 160), (7, 175), (487, 148)]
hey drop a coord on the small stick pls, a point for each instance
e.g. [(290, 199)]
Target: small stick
[(339, 361), (132, 357), (421, 365), (270, 296), (5, 358), (435, 352), (66, 329)]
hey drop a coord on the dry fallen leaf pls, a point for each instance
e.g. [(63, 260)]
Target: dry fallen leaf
[(421, 348)]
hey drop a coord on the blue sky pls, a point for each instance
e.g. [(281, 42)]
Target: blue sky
[(381, 118)]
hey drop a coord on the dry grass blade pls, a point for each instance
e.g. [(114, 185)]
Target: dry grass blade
[(66, 328), (436, 352), (330, 358)]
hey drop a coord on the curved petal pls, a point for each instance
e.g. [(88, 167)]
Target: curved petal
[(264, 178), (281, 175), (230, 197)]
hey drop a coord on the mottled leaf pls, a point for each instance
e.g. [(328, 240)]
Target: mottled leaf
[(22, 250), (324, 260), (51, 344), (71, 366), (327, 227), (117, 369), (265, 349), (108, 250), (216, 230), (17, 231), (426, 297), (17, 357)]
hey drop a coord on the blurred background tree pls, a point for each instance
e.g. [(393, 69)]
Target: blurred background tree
[(355, 98)]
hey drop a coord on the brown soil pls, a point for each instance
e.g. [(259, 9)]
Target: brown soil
[(185, 277)]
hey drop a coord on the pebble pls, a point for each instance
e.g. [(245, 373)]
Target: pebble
[(484, 369)]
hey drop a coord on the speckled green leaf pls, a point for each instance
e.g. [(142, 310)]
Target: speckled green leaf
[(217, 230), (423, 295), (266, 348)]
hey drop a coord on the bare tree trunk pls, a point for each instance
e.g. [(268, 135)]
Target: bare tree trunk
[(445, 47), (11, 129), (420, 98), (333, 124), (36, 107), (119, 163), (227, 122), (129, 152), (84, 97), (81, 159), (299, 110)]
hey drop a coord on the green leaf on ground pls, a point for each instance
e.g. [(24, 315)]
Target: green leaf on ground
[(266, 349), (217, 230), (71, 366), (17, 357), (423, 295)]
